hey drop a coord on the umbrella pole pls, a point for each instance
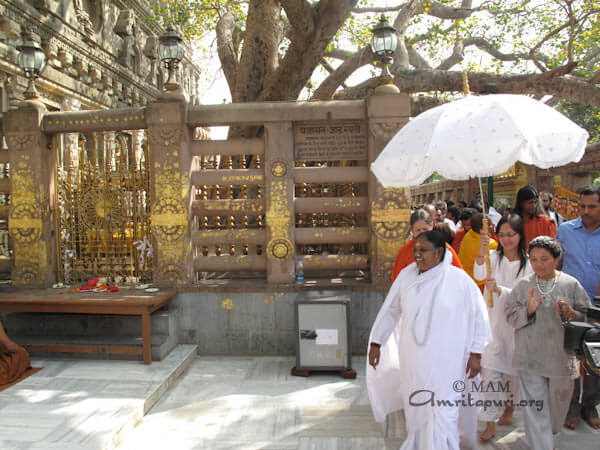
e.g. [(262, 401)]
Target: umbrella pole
[(484, 229)]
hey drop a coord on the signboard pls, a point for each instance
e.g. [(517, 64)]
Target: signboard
[(330, 141)]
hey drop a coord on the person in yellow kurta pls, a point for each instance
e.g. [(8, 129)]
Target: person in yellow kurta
[(14, 360), (469, 248)]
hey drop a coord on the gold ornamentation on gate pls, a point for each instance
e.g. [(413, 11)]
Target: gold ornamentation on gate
[(279, 168), (390, 214), (279, 221), (103, 207), (25, 222), (169, 219), (280, 248)]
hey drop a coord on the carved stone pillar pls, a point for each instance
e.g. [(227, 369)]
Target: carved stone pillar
[(30, 221), (279, 207), (170, 158), (388, 110)]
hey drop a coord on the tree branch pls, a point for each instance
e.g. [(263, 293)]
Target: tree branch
[(566, 87), (377, 10), (226, 47), (416, 60), (260, 55), (327, 88), (456, 57), (442, 11), (338, 53), (300, 15), (303, 55)]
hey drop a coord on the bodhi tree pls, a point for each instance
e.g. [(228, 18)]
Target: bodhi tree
[(289, 49)]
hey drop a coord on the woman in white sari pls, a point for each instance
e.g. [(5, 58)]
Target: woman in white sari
[(431, 328), (509, 262)]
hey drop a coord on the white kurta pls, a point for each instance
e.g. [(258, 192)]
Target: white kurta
[(427, 326), (498, 353)]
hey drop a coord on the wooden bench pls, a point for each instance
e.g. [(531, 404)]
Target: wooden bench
[(128, 302)]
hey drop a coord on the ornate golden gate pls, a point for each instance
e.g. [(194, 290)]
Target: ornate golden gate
[(102, 203)]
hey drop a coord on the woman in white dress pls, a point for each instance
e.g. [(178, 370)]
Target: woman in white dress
[(509, 262)]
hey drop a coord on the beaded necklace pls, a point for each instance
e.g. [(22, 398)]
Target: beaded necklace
[(539, 287)]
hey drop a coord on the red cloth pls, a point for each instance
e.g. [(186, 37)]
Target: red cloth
[(458, 237), (405, 257), (539, 226)]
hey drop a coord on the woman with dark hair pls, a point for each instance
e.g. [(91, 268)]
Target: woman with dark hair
[(508, 263), (420, 221), (536, 307), (429, 332), (528, 206)]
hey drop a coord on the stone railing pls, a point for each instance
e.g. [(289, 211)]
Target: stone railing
[(299, 188)]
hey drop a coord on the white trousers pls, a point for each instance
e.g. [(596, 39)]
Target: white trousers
[(495, 396), (545, 402)]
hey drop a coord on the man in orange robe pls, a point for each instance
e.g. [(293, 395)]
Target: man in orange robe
[(14, 360)]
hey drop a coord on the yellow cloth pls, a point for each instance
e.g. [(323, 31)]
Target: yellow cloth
[(469, 249)]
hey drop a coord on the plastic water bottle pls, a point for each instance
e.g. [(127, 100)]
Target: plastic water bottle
[(299, 271)]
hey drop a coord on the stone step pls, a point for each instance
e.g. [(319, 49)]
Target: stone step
[(163, 322), (161, 345)]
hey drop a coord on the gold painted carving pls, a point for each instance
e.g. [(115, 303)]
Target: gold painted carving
[(390, 214), (280, 248), (22, 141), (25, 227), (279, 168), (279, 218), (170, 224), (385, 130), (173, 273), (166, 136), (25, 222)]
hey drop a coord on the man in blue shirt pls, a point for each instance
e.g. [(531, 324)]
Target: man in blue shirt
[(580, 239)]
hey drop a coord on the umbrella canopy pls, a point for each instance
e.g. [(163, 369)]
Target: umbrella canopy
[(479, 137)]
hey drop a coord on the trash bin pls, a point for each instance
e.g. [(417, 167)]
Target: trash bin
[(323, 339)]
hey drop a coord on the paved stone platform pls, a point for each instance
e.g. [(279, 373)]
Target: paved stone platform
[(254, 403), (218, 403), (84, 404)]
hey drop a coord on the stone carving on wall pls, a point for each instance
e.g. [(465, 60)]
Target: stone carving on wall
[(130, 55)]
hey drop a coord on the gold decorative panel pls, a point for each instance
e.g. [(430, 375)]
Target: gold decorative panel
[(103, 207)]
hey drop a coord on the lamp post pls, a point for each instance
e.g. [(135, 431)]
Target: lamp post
[(384, 44), (170, 52), (32, 60)]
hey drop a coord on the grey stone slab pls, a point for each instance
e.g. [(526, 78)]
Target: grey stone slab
[(31, 422)]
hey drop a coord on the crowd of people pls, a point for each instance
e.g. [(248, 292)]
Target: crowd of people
[(452, 319)]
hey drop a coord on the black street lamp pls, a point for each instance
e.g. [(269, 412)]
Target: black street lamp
[(170, 52), (384, 44), (32, 60)]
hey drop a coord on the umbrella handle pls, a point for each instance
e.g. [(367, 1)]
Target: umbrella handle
[(488, 263)]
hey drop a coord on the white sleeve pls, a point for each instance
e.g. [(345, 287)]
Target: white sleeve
[(387, 317), (481, 332), (479, 270)]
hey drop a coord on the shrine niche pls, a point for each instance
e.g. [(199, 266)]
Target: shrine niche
[(103, 225)]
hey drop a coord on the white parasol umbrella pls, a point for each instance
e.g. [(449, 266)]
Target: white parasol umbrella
[(479, 137)]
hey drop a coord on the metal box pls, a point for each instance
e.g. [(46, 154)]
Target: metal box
[(323, 333)]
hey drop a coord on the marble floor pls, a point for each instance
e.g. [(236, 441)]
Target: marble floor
[(254, 403), (193, 402), (84, 404)]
